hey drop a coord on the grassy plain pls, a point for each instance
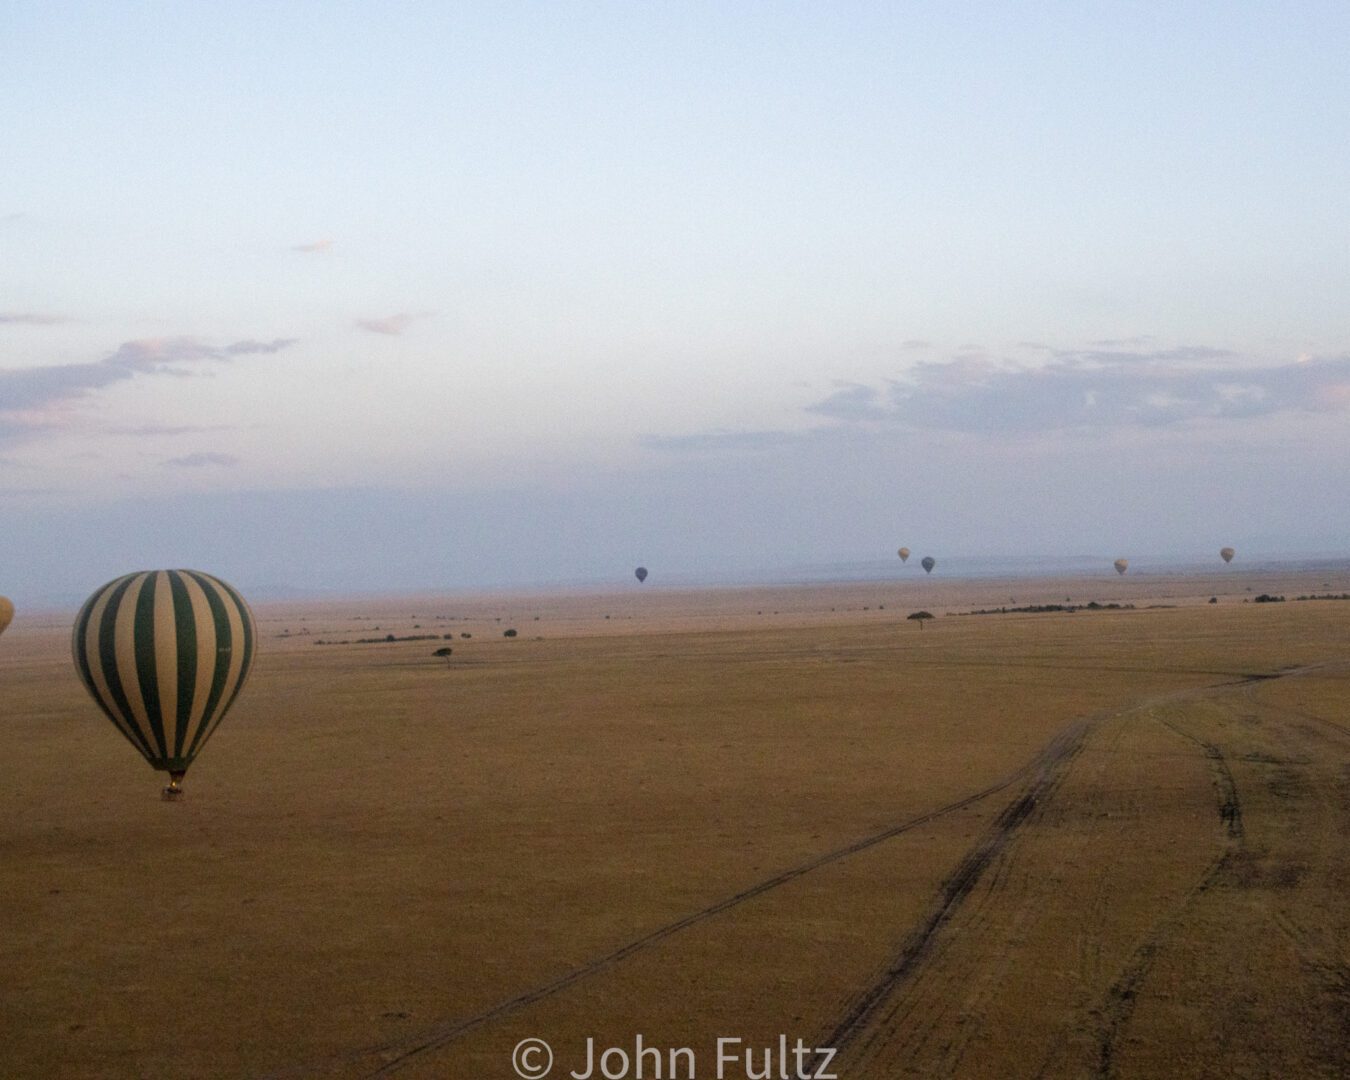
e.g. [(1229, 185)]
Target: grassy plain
[(1101, 843)]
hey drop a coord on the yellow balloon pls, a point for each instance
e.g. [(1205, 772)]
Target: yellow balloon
[(1226, 554), (1121, 565), (6, 613), (904, 554)]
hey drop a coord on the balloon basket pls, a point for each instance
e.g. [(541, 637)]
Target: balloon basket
[(172, 793)]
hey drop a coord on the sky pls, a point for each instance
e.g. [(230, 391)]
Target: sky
[(354, 297)]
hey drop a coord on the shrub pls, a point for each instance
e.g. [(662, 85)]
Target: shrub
[(508, 633)]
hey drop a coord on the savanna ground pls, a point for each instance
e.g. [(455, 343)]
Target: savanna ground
[(1098, 844)]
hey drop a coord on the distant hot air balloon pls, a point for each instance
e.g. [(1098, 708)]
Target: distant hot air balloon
[(6, 613), (928, 563), (1121, 565), (904, 554), (164, 653), (1226, 554), (640, 573)]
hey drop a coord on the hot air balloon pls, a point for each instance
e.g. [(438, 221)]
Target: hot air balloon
[(164, 654), (1226, 554), (6, 613), (640, 573), (1121, 565), (904, 554), (928, 563)]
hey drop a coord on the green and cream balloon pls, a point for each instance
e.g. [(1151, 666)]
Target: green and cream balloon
[(164, 653)]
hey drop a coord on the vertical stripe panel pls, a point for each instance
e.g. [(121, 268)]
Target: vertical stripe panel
[(185, 630), (164, 686), (205, 671), (220, 661), (240, 639), (143, 653), (117, 658), (239, 670), (88, 660)]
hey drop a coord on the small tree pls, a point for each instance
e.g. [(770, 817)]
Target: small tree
[(920, 617), (508, 633)]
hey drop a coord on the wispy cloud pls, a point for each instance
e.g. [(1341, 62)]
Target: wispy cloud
[(158, 430), (30, 318), (1091, 389), (1097, 389), (315, 247), (25, 393), (201, 459), (392, 325), (721, 440)]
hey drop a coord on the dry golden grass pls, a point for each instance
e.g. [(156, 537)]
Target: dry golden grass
[(1054, 845)]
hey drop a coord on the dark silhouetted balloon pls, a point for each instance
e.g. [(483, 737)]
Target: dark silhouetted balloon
[(164, 654), (6, 613), (640, 573), (1121, 565), (904, 554), (928, 563), (1226, 554)]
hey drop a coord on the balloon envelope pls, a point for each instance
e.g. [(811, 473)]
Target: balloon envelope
[(164, 653), (1121, 565), (928, 563), (1226, 554), (904, 554), (6, 613), (640, 573)]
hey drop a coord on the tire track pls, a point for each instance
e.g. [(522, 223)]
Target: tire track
[(1047, 771), (1044, 770), (405, 1050), (866, 1009), (1118, 1005)]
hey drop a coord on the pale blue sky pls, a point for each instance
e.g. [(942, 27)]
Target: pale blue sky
[(625, 282)]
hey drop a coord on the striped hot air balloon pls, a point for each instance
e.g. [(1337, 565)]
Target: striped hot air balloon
[(164, 654)]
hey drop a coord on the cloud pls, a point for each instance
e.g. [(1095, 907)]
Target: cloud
[(1092, 389), (144, 430), (392, 325), (26, 392), (1137, 341), (200, 460), (1078, 391), (30, 318), (852, 401), (255, 348), (720, 440), (315, 247)]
